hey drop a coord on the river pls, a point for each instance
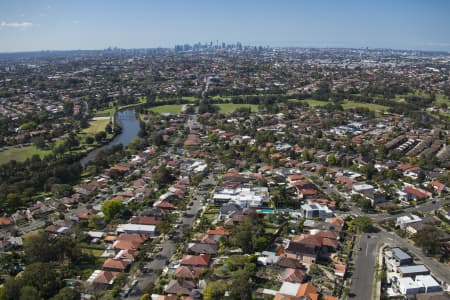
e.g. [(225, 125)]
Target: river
[(130, 129)]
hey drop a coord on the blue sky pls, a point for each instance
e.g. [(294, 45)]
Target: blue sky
[(96, 24)]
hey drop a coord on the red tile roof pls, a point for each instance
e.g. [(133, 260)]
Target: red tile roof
[(309, 290), (5, 221), (105, 277), (116, 264), (438, 185), (416, 192), (218, 231), (195, 260), (294, 275)]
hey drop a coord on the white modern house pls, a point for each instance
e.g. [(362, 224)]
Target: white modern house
[(361, 188), (254, 196), (137, 228), (310, 211), (421, 284), (406, 220)]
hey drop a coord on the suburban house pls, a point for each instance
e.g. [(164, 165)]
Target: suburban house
[(396, 257), (201, 260), (177, 286), (149, 230), (310, 211), (201, 248), (254, 196), (406, 220), (116, 265), (101, 279), (413, 193)]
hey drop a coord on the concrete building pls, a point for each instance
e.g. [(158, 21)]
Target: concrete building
[(412, 271), (310, 211), (137, 228), (407, 286)]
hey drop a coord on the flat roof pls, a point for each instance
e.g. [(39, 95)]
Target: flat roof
[(289, 288), (413, 269), (136, 227), (400, 254), (408, 282), (427, 280)]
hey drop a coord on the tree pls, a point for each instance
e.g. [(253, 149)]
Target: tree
[(369, 170), (365, 204), (11, 289), (331, 159), (146, 296), (215, 290), (61, 190), (29, 293), (67, 293), (361, 224), (165, 227), (157, 139), (95, 222), (100, 136), (68, 107), (108, 128), (39, 142), (34, 252), (42, 276), (112, 208), (240, 286), (428, 238), (89, 140), (163, 177)]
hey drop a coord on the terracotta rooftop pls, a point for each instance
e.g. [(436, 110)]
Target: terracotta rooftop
[(115, 264), (218, 231), (195, 260)]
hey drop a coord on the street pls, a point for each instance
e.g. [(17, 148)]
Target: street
[(168, 247), (364, 268)]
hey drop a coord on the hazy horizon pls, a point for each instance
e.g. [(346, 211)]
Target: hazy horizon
[(27, 25)]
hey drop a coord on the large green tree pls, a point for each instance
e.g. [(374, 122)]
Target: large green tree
[(361, 224), (428, 238), (67, 293), (112, 209)]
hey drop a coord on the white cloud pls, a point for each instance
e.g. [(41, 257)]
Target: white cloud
[(15, 24)]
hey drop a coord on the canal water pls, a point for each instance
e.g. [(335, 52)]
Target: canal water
[(130, 129)]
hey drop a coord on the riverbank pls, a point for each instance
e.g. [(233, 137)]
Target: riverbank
[(130, 128), (126, 118)]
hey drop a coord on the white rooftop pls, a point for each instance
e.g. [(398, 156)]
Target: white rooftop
[(289, 288), (427, 281)]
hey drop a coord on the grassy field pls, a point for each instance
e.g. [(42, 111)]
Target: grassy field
[(314, 103), (172, 109), (21, 154), (189, 98), (375, 107), (97, 124), (440, 98), (105, 112), (217, 97), (229, 107)]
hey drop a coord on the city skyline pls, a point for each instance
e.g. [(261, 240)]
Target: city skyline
[(63, 25)]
